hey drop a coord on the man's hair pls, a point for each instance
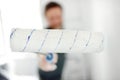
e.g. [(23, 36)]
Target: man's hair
[(52, 5)]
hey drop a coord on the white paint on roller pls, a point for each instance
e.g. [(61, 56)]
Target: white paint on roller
[(62, 41)]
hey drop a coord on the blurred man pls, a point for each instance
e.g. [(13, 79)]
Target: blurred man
[(52, 70)]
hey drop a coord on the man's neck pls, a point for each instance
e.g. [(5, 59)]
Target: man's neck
[(58, 27)]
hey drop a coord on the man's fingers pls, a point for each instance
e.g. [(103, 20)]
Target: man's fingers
[(48, 67)]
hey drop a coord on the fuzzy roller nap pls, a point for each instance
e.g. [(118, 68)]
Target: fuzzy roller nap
[(55, 41)]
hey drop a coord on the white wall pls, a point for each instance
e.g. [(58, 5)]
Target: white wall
[(106, 18), (2, 51)]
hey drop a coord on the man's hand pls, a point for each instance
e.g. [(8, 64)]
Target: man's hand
[(48, 62)]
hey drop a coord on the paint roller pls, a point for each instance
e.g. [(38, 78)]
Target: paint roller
[(55, 41)]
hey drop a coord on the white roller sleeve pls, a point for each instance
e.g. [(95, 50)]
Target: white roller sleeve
[(61, 41)]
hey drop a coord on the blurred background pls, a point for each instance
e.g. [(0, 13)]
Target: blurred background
[(91, 15)]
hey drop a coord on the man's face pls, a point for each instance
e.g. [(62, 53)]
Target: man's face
[(54, 17)]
